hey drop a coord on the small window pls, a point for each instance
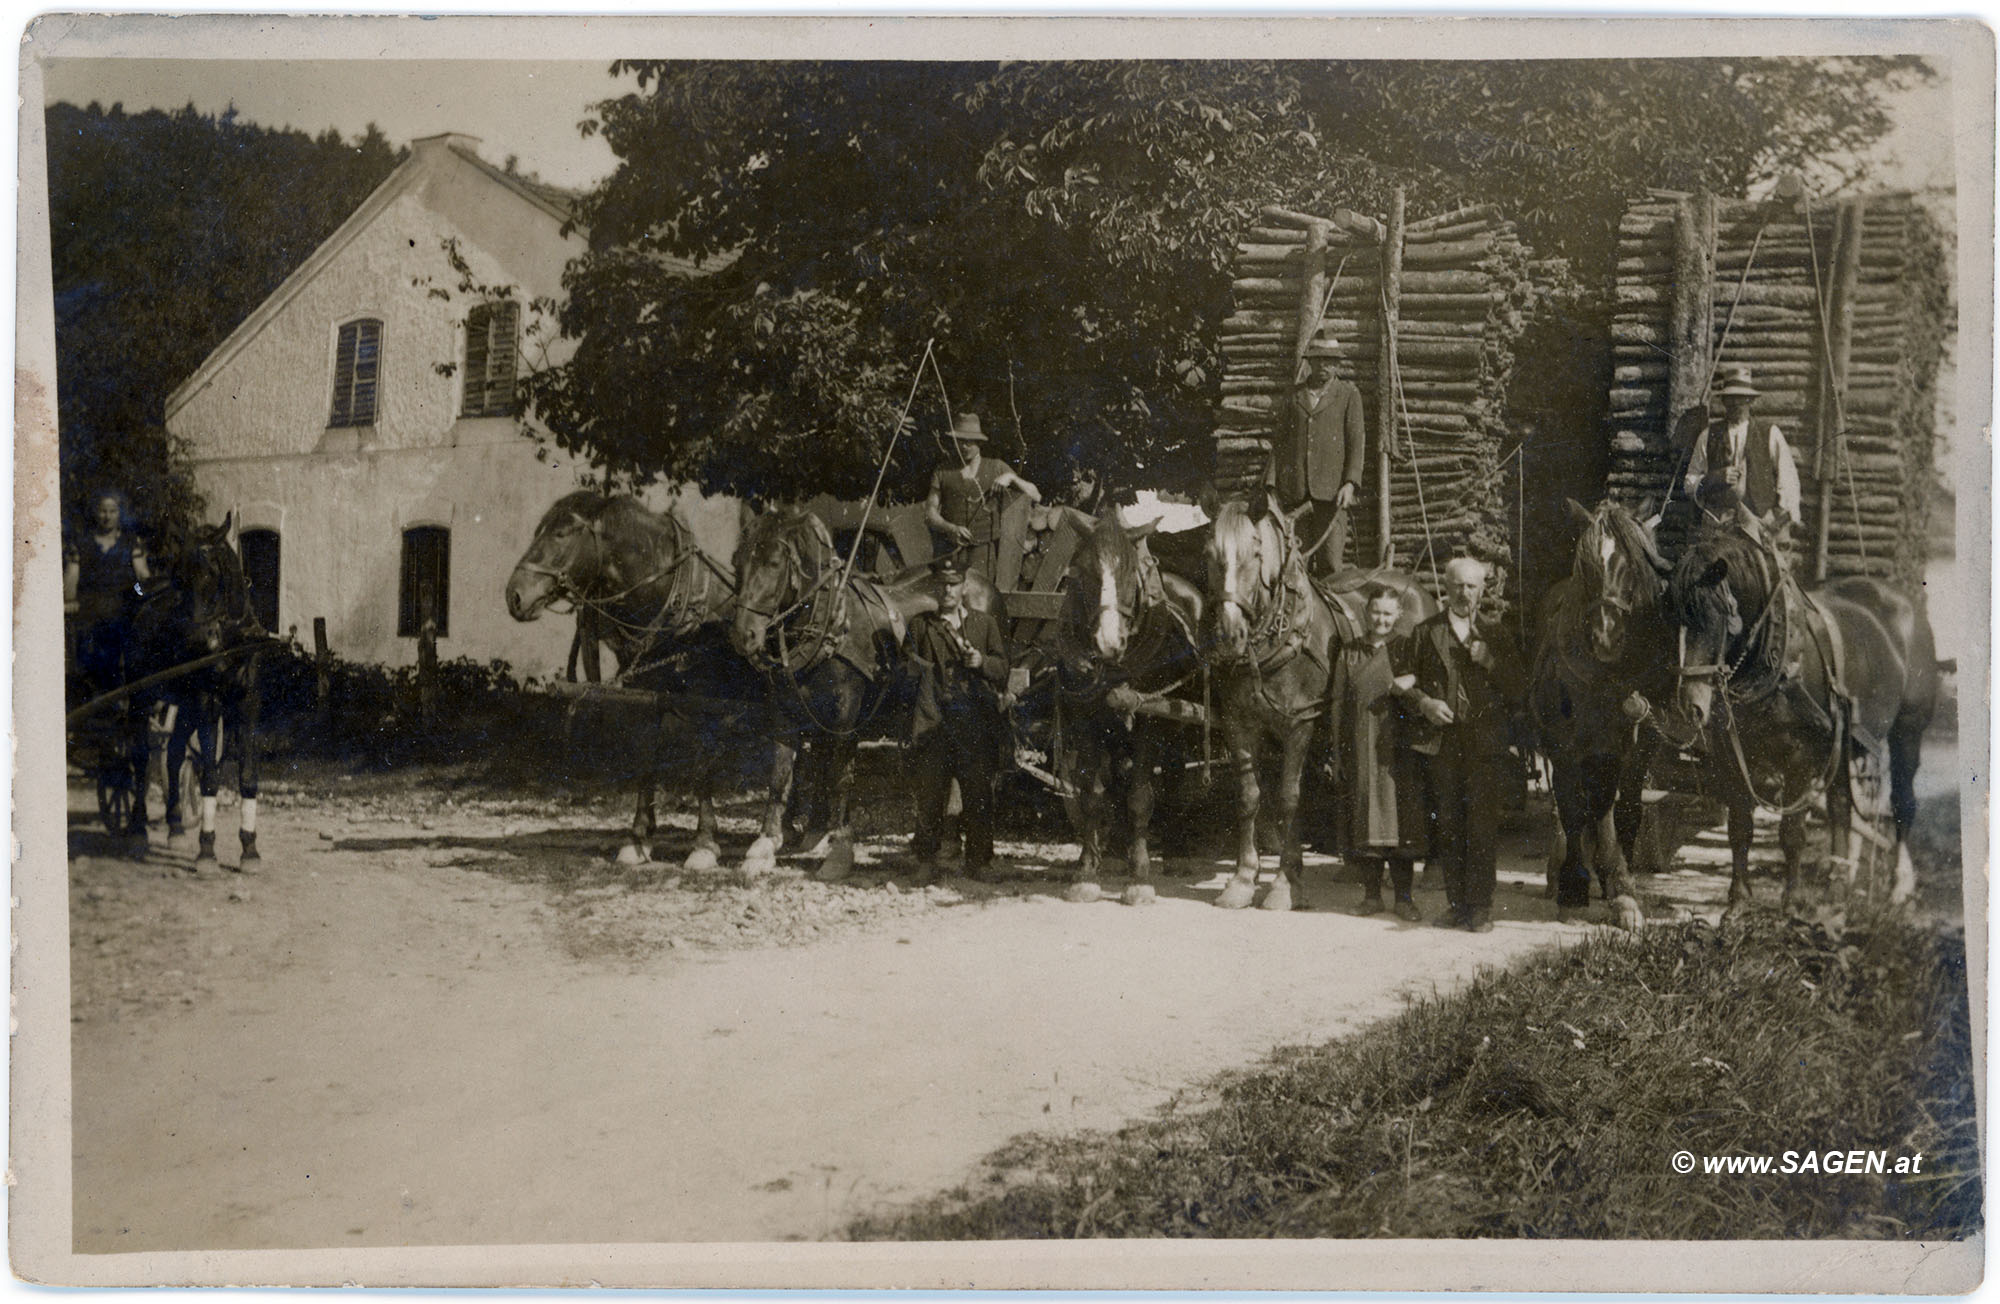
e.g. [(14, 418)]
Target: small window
[(260, 571), (491, 352), (357, 365), (426, 566)]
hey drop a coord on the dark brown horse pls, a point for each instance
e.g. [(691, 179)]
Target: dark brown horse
[(830, 644), (198, 607), (661, 604), (1791, 687), (1129, 630), (1604, 638)]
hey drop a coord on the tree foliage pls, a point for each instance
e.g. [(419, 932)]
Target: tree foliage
[(1063, 233), (166, 230)]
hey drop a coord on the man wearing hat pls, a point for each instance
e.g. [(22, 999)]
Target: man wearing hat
[(957, 729), (1735, 468), (1318, 464), (961, 510)]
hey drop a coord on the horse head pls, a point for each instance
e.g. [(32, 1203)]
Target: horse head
[(1249, 556), (784, 555), (565, 558), (1720, 590), (1107, 579), (202, 599), (1618, 571)]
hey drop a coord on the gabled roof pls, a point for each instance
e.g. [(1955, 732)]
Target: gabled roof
[(551, 200)]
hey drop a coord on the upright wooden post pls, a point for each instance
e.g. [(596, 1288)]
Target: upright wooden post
[(322, 679), (1830, 403), (1691, 332), (1312, 297), (1386, 372), (427, 652)]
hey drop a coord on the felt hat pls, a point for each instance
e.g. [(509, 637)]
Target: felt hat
[(966, 426), (1736, 383)]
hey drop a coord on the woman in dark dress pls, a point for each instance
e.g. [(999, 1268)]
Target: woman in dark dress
[(101, 574), (1378, 818)]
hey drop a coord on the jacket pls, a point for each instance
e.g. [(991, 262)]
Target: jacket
[(1482, 698), (1327, 445), (945, 685), (1770, 476)]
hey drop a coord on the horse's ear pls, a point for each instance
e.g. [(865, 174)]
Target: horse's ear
[(220, 534), (1259, 504), (1138, 532), (1578, 510)]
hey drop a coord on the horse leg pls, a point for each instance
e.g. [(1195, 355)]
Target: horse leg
[(1906, 745), (838, 775), (1792, 839), (1242, 886), (1090, 813), (706, 853), (1742, 825), (206, 723), (1612, 870), (177, 746), (1573, 810), (1139, 801), (242, 726), (1288, 890), (763, 852), (638, 848)]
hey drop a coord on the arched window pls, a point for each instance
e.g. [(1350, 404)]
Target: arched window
[(261, 570), (491, 352), (426, 564), (357, 367)]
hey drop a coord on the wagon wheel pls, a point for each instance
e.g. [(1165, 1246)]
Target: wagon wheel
[(114, 798)]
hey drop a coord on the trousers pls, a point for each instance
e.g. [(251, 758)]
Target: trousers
[(963, 748), (1466, 785)]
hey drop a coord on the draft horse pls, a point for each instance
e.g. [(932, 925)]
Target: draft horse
[(830, 645), (1788, 687), (1129, 629), (1271, 647), (198, 606), (647, 590), (1604, 638)]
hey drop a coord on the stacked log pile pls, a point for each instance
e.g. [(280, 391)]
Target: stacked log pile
[(1422, 316), (1839, 308)]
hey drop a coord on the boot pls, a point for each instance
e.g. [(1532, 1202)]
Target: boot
[(1370, 871)]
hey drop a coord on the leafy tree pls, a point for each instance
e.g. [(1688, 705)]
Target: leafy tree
[(166, 230), (1063, 233)]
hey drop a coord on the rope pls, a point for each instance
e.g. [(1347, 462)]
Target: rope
[(868, 507), (1715, 359), (1409, 434)]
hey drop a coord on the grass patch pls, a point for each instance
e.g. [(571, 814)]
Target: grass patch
[(1546, 1101)]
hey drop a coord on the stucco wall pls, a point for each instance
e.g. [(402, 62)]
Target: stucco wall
[(341, 499)]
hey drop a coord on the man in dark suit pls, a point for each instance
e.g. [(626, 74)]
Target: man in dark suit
[(957, 727), (1320, 461), (1468, 683)]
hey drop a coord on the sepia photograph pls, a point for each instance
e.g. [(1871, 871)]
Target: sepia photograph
[(1153, 654)]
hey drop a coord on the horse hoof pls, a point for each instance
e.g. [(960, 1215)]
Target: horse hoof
[(1237, 895), (1736, 911), (702, 858), (821, 846), (633, 854), (250, 864), (1083, 893), (1279, 897), (839, 863), (204, 863), (1140, 894), (1626, 914), (762, 856)]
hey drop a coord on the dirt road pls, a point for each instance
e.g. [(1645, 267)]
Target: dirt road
[(440, 1020)]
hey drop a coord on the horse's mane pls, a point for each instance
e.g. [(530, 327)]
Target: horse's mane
[(806, 528)]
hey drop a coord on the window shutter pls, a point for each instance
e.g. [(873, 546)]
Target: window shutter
[(356, 364), (501, 356), (478, 324)]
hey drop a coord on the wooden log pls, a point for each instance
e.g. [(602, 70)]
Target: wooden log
[(1312, 290), (1447, 251), (1427, 304), (1392, 306), (1417, 230), (1275, 235)]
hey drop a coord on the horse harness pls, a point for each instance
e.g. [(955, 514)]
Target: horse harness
[(1777, 674), (1283, 628)]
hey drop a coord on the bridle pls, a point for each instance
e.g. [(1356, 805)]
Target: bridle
[(680, 606)]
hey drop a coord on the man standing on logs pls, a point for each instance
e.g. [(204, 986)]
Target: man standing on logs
[(963, 510), (1319, 464), (1468, 683), (1736, 471), (957, 728)]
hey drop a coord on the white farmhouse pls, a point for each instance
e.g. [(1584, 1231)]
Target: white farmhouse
[(361, 426)]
